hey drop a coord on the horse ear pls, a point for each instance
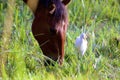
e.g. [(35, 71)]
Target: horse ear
[(52, 8), (65, 2), (32, 4)]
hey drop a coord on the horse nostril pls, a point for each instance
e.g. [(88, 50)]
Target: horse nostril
[(53, 30)]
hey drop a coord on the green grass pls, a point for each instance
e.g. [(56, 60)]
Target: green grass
[(25, 59)]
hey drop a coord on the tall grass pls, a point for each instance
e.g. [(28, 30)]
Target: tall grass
[(98, 17), (7, 29)]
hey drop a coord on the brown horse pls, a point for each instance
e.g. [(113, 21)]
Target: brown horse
[(49, 26)]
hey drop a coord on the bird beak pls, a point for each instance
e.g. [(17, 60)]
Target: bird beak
[(85, 37)]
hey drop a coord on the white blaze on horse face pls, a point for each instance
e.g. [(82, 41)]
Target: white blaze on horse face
[(63, 23), (64, 26), (33, 4)]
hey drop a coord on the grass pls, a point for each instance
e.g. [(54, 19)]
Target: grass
[(101, 17)]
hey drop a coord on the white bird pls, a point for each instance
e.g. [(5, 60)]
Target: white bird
[(81, 43)]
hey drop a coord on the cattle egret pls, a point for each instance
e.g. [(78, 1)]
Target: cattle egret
[(81, 43)]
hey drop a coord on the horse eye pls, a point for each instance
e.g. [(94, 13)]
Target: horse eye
[(53, 31)]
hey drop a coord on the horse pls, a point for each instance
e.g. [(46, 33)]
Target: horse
[(49, 26)]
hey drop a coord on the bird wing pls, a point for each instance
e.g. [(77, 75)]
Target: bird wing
[(77, 42)]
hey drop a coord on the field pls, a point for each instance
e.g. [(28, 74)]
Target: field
[(100, 19)]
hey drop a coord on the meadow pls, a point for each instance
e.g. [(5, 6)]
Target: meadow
[(100, 19)]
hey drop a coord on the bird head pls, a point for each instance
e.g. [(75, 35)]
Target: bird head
[(83, 36)]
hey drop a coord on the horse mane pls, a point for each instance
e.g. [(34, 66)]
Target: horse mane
[(60, 13)]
